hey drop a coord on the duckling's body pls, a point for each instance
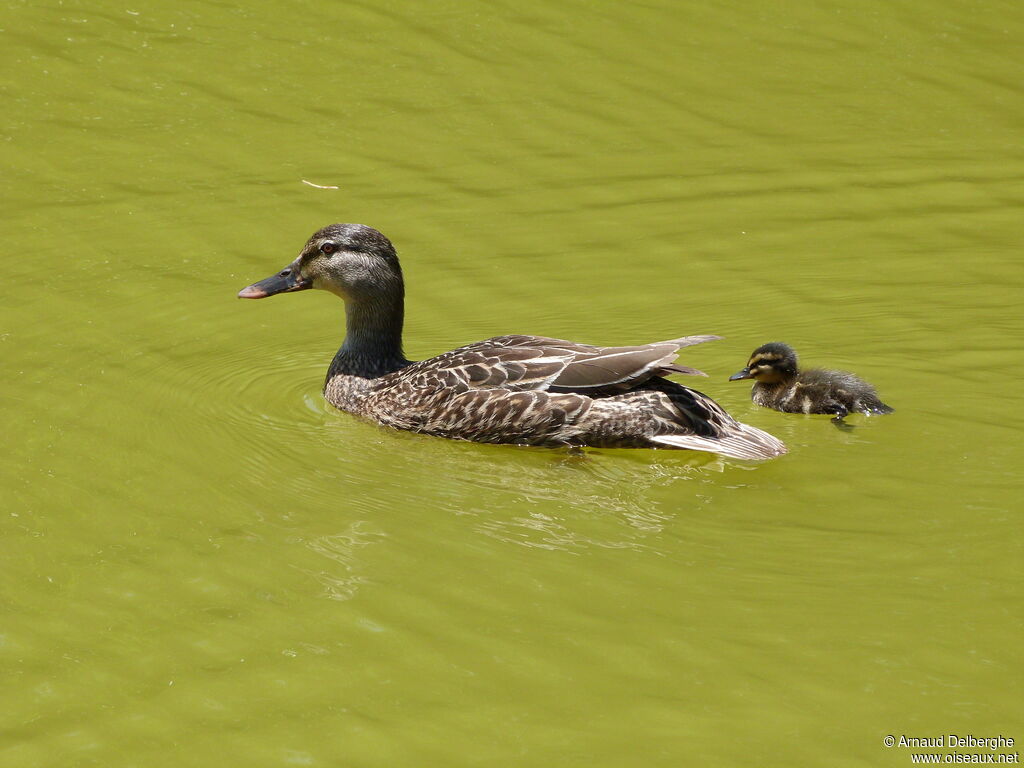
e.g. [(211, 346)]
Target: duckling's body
[(530, 390), (780, 384)]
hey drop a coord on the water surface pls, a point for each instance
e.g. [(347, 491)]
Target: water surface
[(203, 559)]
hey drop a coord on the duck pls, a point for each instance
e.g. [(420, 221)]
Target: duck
[(781, 385), (516, 389)]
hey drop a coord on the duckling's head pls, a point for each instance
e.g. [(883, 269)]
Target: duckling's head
[(351, 260), (769, 364)]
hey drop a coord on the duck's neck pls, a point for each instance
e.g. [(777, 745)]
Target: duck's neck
[(776, 388), (373, 338)]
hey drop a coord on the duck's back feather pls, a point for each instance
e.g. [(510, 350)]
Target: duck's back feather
[(541, 391), (539, 363)]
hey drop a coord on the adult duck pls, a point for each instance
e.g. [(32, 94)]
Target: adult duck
[(526, 390)]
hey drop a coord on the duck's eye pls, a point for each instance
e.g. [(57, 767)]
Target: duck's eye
[(328, 248)]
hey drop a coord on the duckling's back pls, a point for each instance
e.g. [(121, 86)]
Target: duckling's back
[(832, 391)]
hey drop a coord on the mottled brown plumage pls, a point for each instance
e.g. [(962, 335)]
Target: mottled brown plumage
[(528, 390)]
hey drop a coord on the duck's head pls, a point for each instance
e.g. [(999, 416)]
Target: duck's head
[(769, 364), (352, 260)]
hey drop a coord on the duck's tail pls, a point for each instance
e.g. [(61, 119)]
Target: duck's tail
[(740, 441)]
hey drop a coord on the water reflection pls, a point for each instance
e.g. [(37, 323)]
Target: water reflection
[(342, 578), (530, 497)]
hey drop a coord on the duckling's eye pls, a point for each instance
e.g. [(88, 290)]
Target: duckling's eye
[(328, 248)]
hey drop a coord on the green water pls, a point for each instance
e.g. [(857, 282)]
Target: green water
[(204, 565)]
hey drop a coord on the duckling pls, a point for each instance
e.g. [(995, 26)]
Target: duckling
[(780, 384)]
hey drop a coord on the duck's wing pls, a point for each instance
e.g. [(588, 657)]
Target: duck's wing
[(485, 366), (541, 391), (539, 363)]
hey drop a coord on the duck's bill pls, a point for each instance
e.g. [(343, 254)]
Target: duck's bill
[(287, 280), (744, 374)]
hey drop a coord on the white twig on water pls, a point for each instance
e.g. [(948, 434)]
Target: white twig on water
[(318, 186)]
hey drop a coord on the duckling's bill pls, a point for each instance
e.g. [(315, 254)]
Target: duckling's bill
[(288, 280), (744, 374)]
